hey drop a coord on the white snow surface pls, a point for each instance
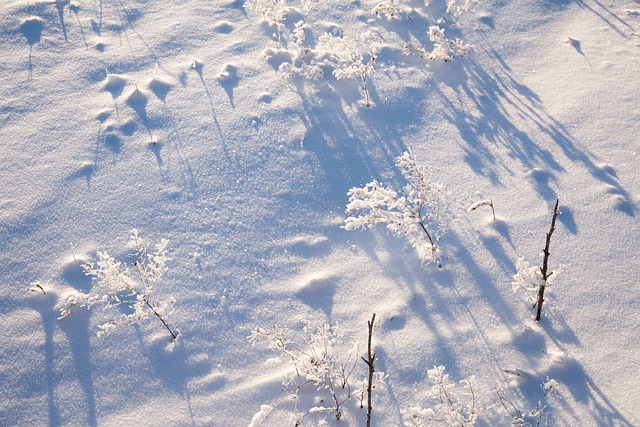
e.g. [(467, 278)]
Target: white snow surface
[(172, 118)]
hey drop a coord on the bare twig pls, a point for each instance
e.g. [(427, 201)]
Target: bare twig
[(544, 268), (371, 363), (487, 202), (37, 287)]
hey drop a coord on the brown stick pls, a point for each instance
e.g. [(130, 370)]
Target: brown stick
[(544, 269), (371, 363)]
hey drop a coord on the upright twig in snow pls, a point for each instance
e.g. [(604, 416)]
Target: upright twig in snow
[(544, 268), (487, 202), (371, 363)]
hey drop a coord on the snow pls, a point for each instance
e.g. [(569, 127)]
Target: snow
[(172, 118)]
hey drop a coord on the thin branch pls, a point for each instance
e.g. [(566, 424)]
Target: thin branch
[(544, 269), (145, 298), (371, 363)]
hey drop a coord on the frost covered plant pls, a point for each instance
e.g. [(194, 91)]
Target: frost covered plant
[(457, 8), (454, 9), (115, 283), (291, 41), (291, 37), (322, 366), (535, 280), (530, 279), (273, 11), (444, 49), (352, 57), (453, 404), (538, 416), (417, 211), (389, 9)]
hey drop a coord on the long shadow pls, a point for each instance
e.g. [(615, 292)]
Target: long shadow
[(497, 99), (127, 19), (76, 10), (579, 383), (353, 148), (335, 149), (435, 301), (60, 6), (76, 329), (100, 10), (31, 29), (172, 142), (612, 20), (198, 67), (44, 306), (174, 366), (487, 124), (78, 335), (484, 283)]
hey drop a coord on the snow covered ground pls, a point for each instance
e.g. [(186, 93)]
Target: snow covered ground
[(176, 118)]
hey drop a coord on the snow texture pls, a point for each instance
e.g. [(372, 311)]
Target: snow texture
[(235, 130)]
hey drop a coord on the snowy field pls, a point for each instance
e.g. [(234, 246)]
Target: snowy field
[(236, 130)]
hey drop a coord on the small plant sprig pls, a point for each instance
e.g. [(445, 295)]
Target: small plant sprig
[(352, 57), (275, 13), (454, 405), (444, 49), (318, 365), (457, 8), (291, 37), (487, 202), (115, 283), (417, 212), (390, 9), (537, 416), (535, 280), (36, 287), (322, 367)]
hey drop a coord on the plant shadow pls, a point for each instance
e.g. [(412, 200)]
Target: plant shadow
[(496, 97)]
